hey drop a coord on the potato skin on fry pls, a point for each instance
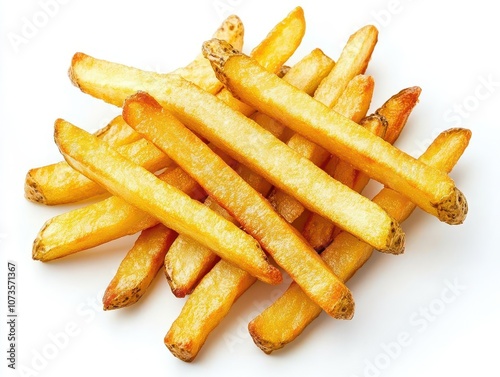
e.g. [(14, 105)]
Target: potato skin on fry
[(199, 316)]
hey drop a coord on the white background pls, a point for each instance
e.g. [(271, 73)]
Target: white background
[(449, 49)]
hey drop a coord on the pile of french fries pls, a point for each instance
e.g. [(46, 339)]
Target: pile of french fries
[(240, 168)]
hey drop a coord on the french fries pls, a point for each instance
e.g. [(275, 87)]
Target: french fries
[(220, 163), (145, 191), (247, 206), (103, 221), (278, 46), (139, 267), (187, 261), (320, 231), (288, 316), (60, 184), (200, 316), (341, 81), (432, 190), (258, 150), (353, 104), (185, 338)]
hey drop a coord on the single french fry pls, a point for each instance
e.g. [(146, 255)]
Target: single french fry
[(187, 261), (288, 316), (106, 220), (352, 61), (432, 190), (139, 267), (353, 104), (200, 316), (320, 231), (396, 111), (248, 207), (271, 53), (258, 149), (144, 190)]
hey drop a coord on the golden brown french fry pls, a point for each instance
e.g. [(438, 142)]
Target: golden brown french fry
[(319, 231), (60, 183), (200, 316), (271, 53), (352, 61), (103, 221), (187, 261), (288, 316), (258, 149), (396, 111), (144, 190), (248, 207), (139, 267), (432, 190), (353, 104)]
